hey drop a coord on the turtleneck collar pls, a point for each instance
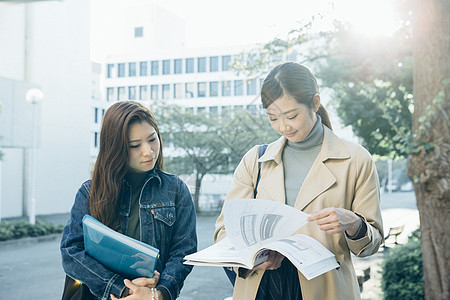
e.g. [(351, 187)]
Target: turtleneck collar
[(314, 138)]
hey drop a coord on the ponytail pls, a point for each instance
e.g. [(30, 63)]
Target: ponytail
[(322, 112)]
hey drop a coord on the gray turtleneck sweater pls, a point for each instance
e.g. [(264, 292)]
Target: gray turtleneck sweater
[(298, 159)]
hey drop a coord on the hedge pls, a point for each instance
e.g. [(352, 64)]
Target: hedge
[(19, 229)]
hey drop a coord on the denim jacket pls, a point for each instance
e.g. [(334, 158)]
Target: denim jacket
[(167, 222)]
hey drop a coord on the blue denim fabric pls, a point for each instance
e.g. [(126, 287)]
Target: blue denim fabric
[(167, 220)]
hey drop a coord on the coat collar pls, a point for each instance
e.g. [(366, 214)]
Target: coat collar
[(332, 148)]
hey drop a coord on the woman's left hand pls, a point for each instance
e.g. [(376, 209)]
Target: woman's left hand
[(335, 220), (139, 292)]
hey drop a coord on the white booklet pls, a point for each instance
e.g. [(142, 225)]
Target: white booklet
[(254, 227)]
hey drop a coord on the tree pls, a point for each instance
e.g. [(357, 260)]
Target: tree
[(429, 167), (207, 142)]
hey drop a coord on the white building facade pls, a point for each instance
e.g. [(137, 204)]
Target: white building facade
[(45, 45)]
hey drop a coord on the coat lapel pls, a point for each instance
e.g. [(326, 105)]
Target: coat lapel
[(320, 178)]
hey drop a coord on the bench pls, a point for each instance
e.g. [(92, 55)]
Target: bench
[(394, 232), (362, 276)]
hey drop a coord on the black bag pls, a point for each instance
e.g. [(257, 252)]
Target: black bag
[(76, 291), (230, 273)]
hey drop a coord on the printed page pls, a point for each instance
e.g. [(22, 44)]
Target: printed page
[(307, 254), (251, 223), (220, 254)]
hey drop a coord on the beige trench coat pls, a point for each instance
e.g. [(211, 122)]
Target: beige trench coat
[(343, 175)]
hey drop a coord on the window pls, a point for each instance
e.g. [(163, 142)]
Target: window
[(238, 88), (178, 90), (132, 69), (189, 65), (201, 109), (131, 93), (226, 88), (251, 87), (95, 139), (143, 92), (226, 62), (190, 90), (154, 92), (109, 94), (95, 115), (143, 68), (213, 109), (214, 89), (109, 70), (201, 66), (252, 109), (138, 32), (155, 67), (177, 66), (121, 70), (166, 67), (121, 93), (201, 89), (261, 81), (165, 91), (214, 64)]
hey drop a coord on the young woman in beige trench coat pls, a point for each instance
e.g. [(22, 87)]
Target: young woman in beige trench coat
[(338, 187)]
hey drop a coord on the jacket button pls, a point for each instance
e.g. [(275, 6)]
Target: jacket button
[(170, 216)]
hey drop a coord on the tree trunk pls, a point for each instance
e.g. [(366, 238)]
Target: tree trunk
[(198, 185), (430, 167)]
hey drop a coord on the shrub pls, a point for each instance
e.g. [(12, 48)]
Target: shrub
[(19, 229), (402, 273)]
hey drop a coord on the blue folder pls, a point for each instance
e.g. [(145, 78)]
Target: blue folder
[(119, 253)]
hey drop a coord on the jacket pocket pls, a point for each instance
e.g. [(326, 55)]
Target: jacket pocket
[(165, 214)]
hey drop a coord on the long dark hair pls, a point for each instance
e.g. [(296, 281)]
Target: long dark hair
[(296, 80), (112, 160)]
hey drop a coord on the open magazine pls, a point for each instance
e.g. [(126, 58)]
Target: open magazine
[(254, 227)]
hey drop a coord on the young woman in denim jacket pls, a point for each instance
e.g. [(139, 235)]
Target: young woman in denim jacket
[(130, 193)]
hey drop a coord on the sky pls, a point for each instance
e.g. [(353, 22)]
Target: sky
[(237, 22)]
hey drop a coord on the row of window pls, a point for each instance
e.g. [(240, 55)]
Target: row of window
[(184, 90), (252, 108), (169, 66)]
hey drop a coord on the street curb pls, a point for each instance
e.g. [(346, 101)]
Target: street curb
[(30, 240)]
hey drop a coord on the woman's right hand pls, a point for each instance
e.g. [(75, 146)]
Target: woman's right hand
[(272, 263)]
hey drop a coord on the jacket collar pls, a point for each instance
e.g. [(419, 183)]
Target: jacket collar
[(152, 174), (332, 148)]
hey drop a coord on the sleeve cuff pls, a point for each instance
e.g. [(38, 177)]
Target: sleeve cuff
[(362, 230), (164, 291)]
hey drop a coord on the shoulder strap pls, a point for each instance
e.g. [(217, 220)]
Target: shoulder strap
[(261, 151)]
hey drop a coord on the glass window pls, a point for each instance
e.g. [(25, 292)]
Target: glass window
[(132, 93), (214, 89), (252, 109), (226, 62), (95, 139), (177, 66), (201, 109), (201, 66), (155, 67), (166, 67), (213, 109), (121, 94), (121, 70), (190, 86), (110, 94), (238, 87), (143, 68), (138, 31), (178, 90), (189, 65), (166, 91), (201, 89), (143, 92), (131, 69), (261, 81), (95, 115), (226, 88), (251, 87), (214, 64), (154, 92), (109, 70)]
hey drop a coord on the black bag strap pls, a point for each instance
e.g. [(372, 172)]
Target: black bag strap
[(261, 151)]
